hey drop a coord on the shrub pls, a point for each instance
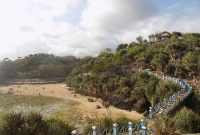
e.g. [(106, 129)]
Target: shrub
[(58, 127), (105, 122), (122, 121), (32, 124), (11, 124), (187, 121), (164, 126), (88, 128), (36, 124)]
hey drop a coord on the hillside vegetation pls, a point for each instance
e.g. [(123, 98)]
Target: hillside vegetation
[(107, 75), (37, 66)]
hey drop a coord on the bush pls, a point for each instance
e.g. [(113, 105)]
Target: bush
[(105, 122), (187, 121), (122, 121), (12, 124), (164, 126), (57, 127), (32, 124), (88, 128), (36, 124)]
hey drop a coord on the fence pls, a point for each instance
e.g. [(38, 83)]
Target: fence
[(163, 107)]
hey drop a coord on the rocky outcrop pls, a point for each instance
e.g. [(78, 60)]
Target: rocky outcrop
[(139, 104)]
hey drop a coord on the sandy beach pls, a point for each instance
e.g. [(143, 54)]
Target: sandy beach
[(82, 107)]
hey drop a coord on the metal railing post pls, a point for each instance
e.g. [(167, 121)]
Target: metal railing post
[(115, 129), (94, 130), (130, 128), (142, 122), (143, 128), (150, 112), (74, 132), (158, 106)]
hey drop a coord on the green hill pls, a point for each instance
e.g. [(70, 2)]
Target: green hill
[(40, 66), (174, 54)]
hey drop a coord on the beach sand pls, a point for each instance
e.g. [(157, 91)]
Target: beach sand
[(82, 109)]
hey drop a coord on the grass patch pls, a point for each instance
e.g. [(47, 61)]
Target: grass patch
[(70, 114), (8, 101), (49, 106)]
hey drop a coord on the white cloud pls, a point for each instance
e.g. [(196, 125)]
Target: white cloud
[(35, 26), (115, 16)]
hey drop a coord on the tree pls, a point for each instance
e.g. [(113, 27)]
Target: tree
[(169, 69), (121, 47), (139, 39), (191, 62), (105, 51), (180, 71), (160, 60)]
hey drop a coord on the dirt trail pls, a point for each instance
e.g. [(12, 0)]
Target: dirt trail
[(83, 107)]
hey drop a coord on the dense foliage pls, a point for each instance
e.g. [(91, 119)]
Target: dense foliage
[(37, 66), (193, 102), (186, 121), (108, 75), (165, 126), (32, 124)]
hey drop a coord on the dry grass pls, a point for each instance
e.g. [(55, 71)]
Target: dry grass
[(79, 110)]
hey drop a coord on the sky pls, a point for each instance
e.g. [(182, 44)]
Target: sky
[(85, 27)]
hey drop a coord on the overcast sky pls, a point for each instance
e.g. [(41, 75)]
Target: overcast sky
[(84, 27)]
